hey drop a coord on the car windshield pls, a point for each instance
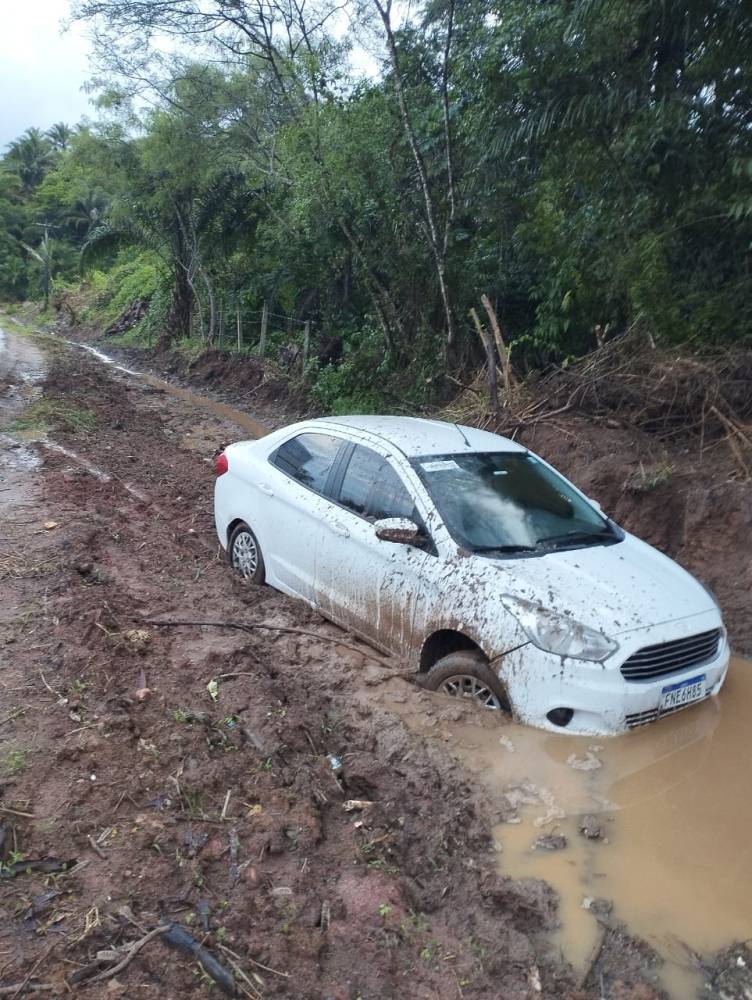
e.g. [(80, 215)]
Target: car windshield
[(502, 502)]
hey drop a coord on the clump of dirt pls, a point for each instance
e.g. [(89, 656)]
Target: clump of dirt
[(730, 973)]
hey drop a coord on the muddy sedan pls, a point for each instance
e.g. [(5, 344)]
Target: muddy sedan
[(471, 556)]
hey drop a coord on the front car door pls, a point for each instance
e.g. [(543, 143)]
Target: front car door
[(371, 586)]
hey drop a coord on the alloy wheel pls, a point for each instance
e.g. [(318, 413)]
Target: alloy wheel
[(245, 554), (466, 686)]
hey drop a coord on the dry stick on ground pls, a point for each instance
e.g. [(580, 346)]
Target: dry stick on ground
[(19, 988), (23, 987), (132, 952), (251, 626), (13, 715)]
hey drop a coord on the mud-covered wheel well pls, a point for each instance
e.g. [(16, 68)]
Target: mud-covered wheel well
[(442, 643), (232, 526)]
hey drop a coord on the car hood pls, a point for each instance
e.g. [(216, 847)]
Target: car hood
[(613, 588)]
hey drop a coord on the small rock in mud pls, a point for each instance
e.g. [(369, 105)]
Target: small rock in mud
[(507, 743), (590, 827), (550, 842), (598, 906), (585, 762)]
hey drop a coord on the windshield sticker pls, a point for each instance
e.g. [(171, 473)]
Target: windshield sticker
[(440, 465)]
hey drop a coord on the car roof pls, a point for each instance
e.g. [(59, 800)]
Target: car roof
[(418, 436)]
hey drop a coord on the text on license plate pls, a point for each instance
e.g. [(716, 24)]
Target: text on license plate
[(677, 695)]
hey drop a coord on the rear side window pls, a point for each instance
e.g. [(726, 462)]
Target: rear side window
[(373, 489), (308, 458)]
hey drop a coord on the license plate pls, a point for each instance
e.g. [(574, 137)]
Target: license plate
[(683, 693)]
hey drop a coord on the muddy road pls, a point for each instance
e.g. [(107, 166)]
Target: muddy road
[(289, 802)]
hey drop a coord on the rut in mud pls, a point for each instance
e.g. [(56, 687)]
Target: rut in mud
[(202, 776)]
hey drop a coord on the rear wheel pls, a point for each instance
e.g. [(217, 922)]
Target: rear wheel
[(466, 674), (244, 554)]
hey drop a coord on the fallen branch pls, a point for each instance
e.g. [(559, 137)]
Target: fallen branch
[(12, 716), (134, 949), (253, 626), (23, 987), (96, 848), (41, 866)]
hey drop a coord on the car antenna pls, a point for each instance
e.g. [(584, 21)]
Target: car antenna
[(462, 435)]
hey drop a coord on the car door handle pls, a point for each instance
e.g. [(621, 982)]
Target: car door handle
[(339, 529), (266, 489)]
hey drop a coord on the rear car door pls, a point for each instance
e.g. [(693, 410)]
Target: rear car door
[(371, 586), (293, 489)]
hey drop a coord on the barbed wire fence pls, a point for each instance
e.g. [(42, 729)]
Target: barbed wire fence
[(264, 333)]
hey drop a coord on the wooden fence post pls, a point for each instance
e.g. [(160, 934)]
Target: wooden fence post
[(264, 322), (239, 326), (306, 343)]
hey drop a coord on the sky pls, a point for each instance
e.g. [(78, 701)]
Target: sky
[(41, 70)]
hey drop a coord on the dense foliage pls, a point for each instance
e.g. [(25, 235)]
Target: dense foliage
[(585, 163)]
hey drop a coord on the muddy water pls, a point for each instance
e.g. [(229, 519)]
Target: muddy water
[(253, 427), (674, 801), (219, 409)]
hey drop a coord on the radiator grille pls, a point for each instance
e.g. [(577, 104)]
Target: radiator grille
[(670, 657)]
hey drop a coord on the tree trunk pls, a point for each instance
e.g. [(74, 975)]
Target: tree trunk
[(437, 245), (181, 309)]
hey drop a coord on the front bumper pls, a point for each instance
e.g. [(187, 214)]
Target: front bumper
[(602, 700)]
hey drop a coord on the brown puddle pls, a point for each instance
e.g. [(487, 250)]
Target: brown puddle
[(255, 429), (674, 801), (219, 409)]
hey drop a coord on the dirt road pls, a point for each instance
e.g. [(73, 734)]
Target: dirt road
[(204, 778), (214, 806)]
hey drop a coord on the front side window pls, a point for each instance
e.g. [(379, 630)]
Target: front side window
[(373, 489), (308, 458), (502, 502)]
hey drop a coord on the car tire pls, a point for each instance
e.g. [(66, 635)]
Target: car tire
[(466, 674), (244, 553)]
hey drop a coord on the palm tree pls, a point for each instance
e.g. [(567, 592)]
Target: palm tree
[(60, 135), (87, 213), (30, 156)]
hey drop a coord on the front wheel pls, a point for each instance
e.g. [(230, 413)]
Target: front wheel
[(466, 674), (244, 554)]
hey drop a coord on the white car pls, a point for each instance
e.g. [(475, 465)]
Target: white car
[(470, 556)]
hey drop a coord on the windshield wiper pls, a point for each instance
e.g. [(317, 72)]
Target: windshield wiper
[(505, 548), (572, 537)]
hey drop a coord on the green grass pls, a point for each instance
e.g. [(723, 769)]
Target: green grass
[(46, 414), (15, 762)]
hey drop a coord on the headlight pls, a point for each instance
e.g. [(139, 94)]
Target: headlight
[(559, 634)]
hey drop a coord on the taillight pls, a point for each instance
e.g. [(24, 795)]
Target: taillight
[(221, 464)]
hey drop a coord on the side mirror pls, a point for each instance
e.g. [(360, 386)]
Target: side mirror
[(401, 530), (596, 505)]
